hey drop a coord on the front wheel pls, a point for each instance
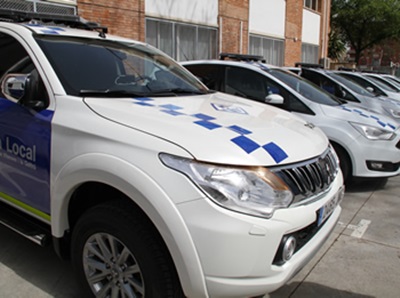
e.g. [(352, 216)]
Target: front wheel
[(116, 252)]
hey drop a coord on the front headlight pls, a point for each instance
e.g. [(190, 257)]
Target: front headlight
[(251, 190), (373, 132)]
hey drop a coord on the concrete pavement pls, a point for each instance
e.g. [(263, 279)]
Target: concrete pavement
[(361, 258)]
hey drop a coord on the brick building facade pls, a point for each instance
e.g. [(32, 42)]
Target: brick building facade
[(282, 31)]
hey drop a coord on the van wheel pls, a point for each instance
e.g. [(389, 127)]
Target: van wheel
[(117, 253), (345, 162)]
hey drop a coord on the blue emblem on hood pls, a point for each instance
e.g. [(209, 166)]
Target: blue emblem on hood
[(229, 108), (243, 140)]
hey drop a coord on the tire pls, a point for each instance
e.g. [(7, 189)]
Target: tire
[(345, 162), (116, 252)]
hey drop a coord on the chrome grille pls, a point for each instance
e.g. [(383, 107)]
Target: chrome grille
[(309, 179)]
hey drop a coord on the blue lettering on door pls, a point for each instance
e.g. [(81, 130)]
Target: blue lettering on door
[(25, 139)]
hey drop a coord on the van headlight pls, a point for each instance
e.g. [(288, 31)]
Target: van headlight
[(373, 132), (250, 190)]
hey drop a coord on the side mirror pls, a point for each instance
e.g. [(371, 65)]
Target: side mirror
[(370, 89), (274, 99), (13, 86), (24, 90)]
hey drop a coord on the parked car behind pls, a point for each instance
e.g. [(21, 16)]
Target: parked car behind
[(352, 92), (368, 144), (393, 85), (374, 86), (391, 78)]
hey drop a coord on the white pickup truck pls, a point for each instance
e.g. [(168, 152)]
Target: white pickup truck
[(153, 185)]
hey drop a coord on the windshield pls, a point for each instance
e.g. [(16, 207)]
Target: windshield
[(98, 67), (305, 88), (351, 85)]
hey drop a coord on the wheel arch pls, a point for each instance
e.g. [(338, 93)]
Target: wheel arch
[(343, 153), (85, 177)]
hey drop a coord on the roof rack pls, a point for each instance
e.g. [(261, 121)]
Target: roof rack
[(308, 65), (347, 69), (73, 21), (241, 57)]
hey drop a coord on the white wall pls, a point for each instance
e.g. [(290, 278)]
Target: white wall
[(194, 11), (311, 27), (72, 2), (267, 17)]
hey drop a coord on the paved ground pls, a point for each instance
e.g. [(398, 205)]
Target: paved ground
[(361, 259)]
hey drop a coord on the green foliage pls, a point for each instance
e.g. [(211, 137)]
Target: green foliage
[(364, 23), (336, 45)]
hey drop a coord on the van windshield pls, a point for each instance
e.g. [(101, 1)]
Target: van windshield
[(97, 67)]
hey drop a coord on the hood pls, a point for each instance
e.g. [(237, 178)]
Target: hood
[(218, 128), (349, 112)]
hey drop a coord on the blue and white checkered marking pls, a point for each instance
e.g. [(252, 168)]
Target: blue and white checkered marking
[(374, 117), (47, 29), (243, 140)]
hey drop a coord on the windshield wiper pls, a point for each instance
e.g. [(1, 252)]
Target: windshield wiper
[(125, 93), (112, 93), (177, 91)]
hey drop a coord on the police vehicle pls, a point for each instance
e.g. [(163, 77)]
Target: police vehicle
[(367, 143), (153, 185)]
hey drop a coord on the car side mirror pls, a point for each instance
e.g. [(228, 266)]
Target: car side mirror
[(13, 86), (23, 89), (274, 99), (370, 89)]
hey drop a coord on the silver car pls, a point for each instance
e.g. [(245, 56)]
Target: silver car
[(374, 86), (352, 93)]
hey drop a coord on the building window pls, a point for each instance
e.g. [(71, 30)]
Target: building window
[(181, 41), (311, 4), (309, 53), (271, 49)]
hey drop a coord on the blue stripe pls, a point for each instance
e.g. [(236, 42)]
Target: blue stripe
[(275, 151), (245, 143)]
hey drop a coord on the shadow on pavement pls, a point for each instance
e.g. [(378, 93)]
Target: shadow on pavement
[(366, 184), (309, 289), (33, 271)]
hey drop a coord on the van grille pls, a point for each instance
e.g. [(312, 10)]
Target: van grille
[(309, 179)]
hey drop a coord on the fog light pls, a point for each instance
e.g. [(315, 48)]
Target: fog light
[(376, 165), (289, 248), (382, 166)]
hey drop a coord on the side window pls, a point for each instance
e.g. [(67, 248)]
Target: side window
[(342, 93), (15, 60), (12, 54), (209, 74), (246, 83), (321, 81), (364, 84), (290, 102), (311, 76)]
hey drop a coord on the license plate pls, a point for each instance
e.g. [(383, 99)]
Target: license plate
[(326, 210)]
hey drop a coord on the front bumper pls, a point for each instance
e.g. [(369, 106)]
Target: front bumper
[(237, 251), (375, 158)]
